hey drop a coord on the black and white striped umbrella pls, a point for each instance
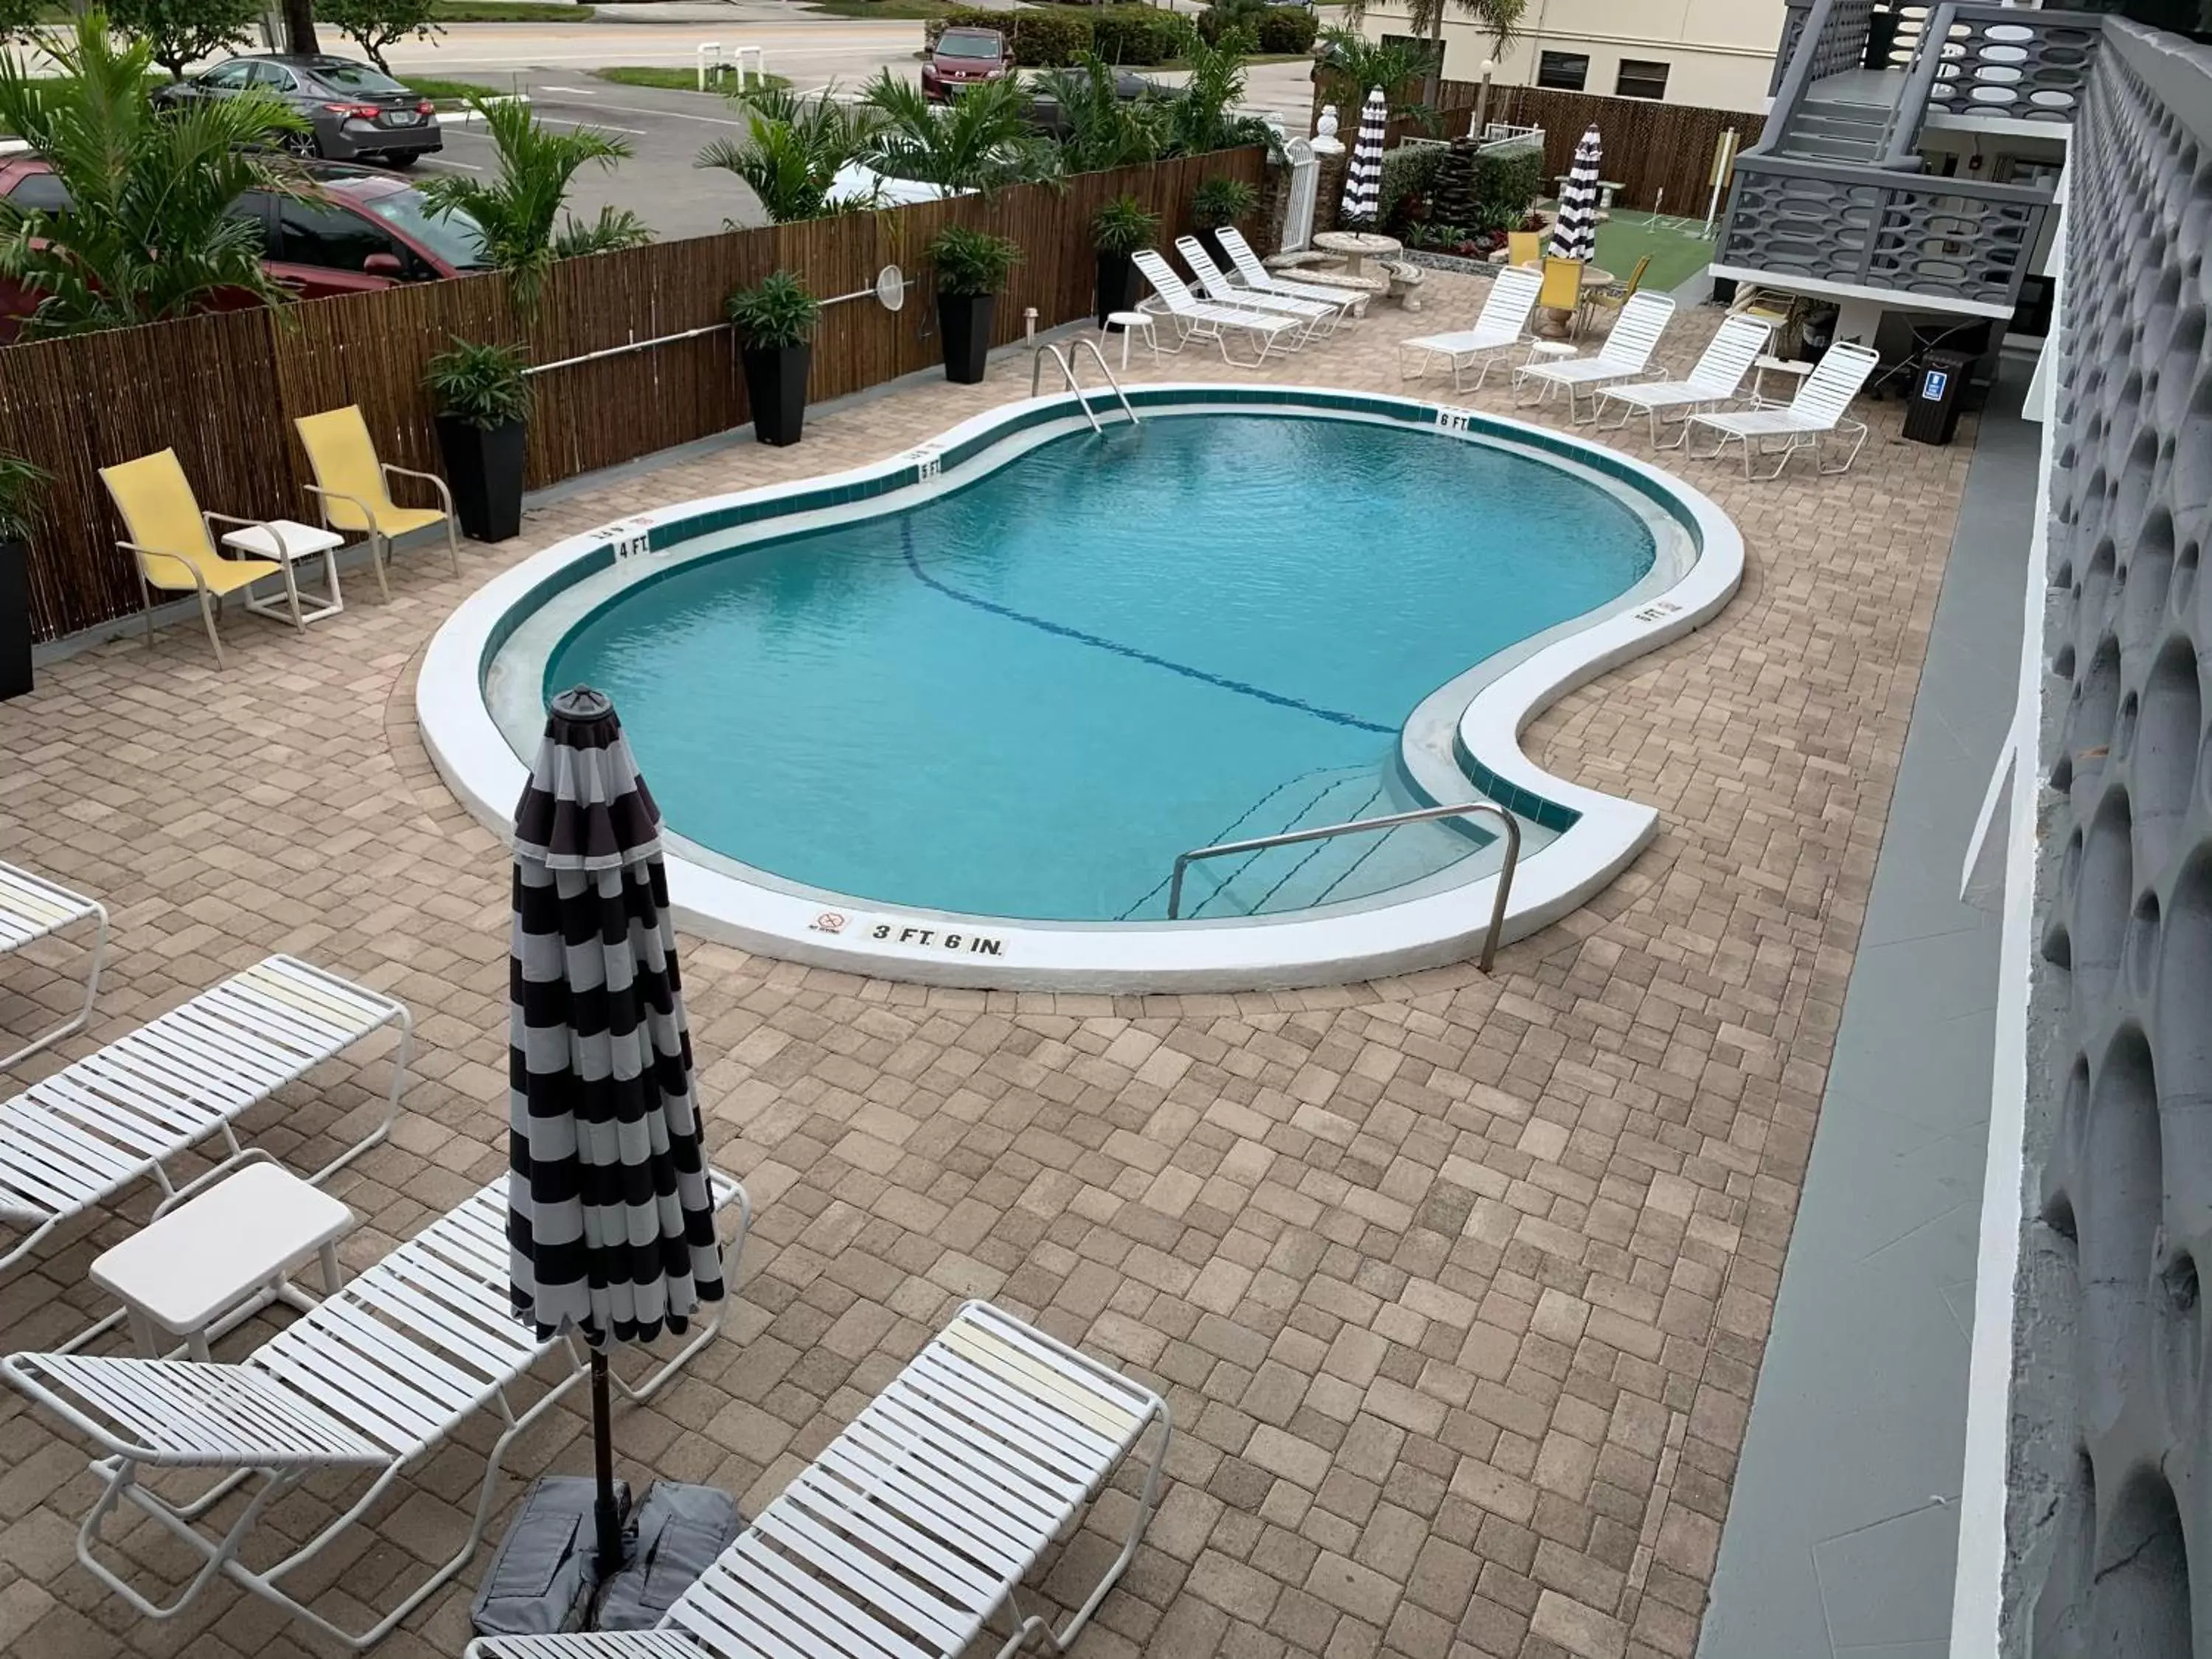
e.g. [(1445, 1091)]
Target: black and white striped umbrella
[(611, 1223), (1363, 176), (1574, 235)]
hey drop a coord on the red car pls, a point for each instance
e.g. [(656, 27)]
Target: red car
[(351, 228), (963, 57)]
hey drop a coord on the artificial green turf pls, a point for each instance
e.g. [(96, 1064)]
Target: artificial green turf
[(1678, 248)]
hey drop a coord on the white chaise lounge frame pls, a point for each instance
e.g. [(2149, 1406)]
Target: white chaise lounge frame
[(1501, 326), (1625, 354), (374, 1380), (1819, 411), (1196, 321), (1255, 274), (32, 909), (71, 1141), (1717, 380), (920, 1521), (1319, 316)]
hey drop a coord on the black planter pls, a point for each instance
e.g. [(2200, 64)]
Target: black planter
[(1211, 241), (965, 321), (775, 381), (484, 466), (14, 619), (1119, 281)]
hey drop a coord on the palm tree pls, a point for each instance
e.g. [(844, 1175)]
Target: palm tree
[(519, 209), (792, 150), (1500, 19), (1351, 65), (982, 140), (1099, 129), (150, 231), (1202, 116)]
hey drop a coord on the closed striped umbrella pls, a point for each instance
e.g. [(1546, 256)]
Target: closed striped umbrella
[(1362, 177), (611, 1222), (1574, 235)]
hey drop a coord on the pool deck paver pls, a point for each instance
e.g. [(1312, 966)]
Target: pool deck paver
[(1456, 1284)]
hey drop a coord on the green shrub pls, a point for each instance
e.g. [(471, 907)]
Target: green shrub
[(778, 313), (1122, 226), (1139, 34), (970, 262), (1409, 178), (1506, 186), (1219, 202), (480, 386), (23, 486), (1288, 29)]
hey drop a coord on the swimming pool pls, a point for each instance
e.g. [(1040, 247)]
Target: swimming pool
[(989, 691)]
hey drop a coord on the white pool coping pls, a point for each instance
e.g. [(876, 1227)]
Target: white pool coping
[(718, 898)]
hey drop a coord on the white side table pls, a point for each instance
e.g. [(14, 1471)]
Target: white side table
[(216, 1258), (1130, 322), (286, 542), (1762, 366)]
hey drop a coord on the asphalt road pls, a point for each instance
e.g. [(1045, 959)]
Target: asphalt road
[(666, 129)]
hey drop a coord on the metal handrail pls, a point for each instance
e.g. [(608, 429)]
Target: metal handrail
[(1067, 373), (1900, 149), (1292, 837), (1796, 78), (1099, 358)]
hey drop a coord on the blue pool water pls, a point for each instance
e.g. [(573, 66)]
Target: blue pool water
[(1025, 697)]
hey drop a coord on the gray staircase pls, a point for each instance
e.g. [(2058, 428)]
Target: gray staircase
[(1830, 130)]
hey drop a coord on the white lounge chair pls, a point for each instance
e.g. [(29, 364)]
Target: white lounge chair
[(377, 1377), (1213, 282), (1253, 272), (1818, 411), (1195, 319), (116, 1117), (1625, 354), (1502, 326), (1717, 378), (32, 909), (920, 1520)]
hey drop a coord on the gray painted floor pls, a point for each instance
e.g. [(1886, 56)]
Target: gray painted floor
[(1842, 1532)]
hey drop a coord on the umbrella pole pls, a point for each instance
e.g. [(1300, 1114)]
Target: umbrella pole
[(604, 1511)]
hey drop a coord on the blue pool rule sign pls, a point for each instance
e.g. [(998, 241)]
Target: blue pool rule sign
[(1936, 382)]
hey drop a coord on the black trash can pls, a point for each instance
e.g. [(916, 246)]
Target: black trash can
[(14, 619), (1938, 394)]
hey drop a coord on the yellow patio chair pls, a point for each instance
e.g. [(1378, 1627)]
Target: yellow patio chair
[(354, 488), (1524, 248), (173, 541), (1562, 287), (1608, 300)]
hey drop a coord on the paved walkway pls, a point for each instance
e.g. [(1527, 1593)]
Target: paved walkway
[(1458, 1285)]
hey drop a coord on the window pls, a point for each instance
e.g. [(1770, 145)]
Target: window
[(341, 75), (230, 77), (1641, 78), (271, 77), (1565, 71), (453, 236), (41, 193), (318, 233)]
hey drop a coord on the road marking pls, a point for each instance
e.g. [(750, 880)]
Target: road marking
[(664, 114), (573, 92)]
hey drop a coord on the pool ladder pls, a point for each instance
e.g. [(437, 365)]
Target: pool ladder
[(1293, 837), (1045, 349)]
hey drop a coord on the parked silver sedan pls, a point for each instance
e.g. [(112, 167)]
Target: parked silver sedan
[(355, 111)]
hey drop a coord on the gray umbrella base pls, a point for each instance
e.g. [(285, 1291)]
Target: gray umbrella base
[(541, 1581), (673, 1536)]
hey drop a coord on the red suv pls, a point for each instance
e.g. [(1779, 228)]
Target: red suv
[(350, 228), (961, 58)]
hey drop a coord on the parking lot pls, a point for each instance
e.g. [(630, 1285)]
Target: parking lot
[(666, 130)]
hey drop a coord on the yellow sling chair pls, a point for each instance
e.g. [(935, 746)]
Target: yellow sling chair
[(354, 488), (173, 543)]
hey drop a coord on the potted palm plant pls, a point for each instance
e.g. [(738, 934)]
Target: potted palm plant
[(972, 267), (483, 417), (21, 484), (773, 319), (1120, 229), (1216, 202)]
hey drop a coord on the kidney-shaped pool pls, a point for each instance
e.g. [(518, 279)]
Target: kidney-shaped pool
[(1024, 697)]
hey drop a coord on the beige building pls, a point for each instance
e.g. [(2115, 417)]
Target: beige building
[(1717, 53)]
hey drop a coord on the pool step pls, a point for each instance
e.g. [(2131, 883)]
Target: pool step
[(1283, 879)]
